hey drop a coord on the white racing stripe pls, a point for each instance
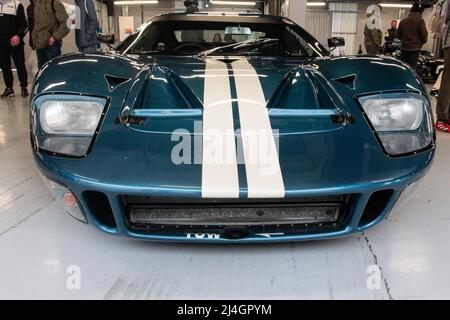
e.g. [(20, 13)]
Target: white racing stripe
[(219, 164), (262, 166)]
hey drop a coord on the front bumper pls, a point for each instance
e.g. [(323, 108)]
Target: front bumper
[(369, 203)]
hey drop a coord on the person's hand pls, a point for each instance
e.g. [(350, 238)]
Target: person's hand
[(15, 41), (51, 41)]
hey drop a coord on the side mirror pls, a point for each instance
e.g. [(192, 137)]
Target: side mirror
[(106, 38), (335, 42)]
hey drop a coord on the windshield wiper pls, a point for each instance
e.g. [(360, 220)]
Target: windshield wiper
[(143, 51), (238, 45)]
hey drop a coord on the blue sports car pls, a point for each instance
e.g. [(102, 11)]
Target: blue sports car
[(229, 128)]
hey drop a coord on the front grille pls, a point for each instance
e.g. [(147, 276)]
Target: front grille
[(235, 217)]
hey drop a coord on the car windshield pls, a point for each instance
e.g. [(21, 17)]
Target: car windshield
[(217, 38)]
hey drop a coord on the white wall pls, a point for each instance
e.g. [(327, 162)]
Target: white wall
[(426, 15), (318, 23), (297, 11), (150, 10), (344, 24)]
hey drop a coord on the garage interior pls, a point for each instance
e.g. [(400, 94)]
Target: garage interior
[(40, 244)]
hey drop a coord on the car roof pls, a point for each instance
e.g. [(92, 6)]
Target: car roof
[(220, 17)]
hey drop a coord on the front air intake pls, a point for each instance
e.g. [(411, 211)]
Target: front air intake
[(375, 206), (99, 206)]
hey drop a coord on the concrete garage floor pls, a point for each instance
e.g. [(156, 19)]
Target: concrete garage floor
[(39, 243)]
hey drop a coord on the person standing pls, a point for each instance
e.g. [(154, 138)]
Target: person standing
[(373, 36), (13, 25), (413, 34), (48, 22), (391, 34), (86, 31), (443, 104)]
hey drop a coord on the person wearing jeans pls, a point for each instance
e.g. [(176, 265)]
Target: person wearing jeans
[(443, 104), (48, 25), (48, 53), (13, 25), (86, 31)]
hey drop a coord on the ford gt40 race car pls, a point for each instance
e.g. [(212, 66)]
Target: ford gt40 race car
[(229, 128)]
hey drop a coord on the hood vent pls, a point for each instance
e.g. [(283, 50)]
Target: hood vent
[(114, 81), (164, 89), (349, 81), (302, 89)]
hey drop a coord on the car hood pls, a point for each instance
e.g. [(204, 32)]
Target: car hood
[(191, 71)]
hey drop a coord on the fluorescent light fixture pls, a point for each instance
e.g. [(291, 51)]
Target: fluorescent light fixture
[(315, 4), (131, 2), (396, 5), (235, 3)]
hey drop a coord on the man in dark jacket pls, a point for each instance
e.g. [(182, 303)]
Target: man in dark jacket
[(392, 32), (13, 25), (48, 22), (443, 104), (413, 34), (87, 24), (389, 38)]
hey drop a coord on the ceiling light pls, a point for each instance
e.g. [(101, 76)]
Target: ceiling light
[(395, 5), (236, 3), (315, 4), (118, 3)]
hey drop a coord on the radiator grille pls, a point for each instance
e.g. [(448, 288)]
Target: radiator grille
[(231, 217)]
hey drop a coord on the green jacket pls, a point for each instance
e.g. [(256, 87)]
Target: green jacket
[(372, 37), (47, 18)]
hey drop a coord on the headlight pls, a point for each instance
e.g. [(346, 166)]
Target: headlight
[(66, 124), (402, 121), (394, 114), (70, 117)]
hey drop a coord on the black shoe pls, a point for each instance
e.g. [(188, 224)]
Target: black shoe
[(24, 92), (8, 93)]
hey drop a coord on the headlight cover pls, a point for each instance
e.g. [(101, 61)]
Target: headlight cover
[(70, 117), (402, 121), (66, 124)]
